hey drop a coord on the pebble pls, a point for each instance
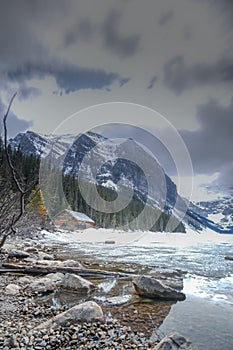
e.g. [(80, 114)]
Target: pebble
[(21, 314)]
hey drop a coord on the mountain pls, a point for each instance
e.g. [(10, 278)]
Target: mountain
[(38, 145), (119, 167), (217, 213), (71, 151)]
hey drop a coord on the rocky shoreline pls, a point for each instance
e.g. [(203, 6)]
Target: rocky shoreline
[(27, 324)]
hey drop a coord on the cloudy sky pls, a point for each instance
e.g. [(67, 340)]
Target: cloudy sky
[(174, 56)]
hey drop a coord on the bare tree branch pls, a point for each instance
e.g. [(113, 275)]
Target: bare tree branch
[(8, 203), (13, 202), (13, 172)]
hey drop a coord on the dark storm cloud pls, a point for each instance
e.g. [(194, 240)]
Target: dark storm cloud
[(224, 7), (22, 25), (178, 76), (83, 30), (72, 79), (14, 124), (211, 147), (152, 82), (123, 46), (68, 77), (166, 17), (25, 53)]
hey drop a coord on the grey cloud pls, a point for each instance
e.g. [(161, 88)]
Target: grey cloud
[(68, 77), (178, 76), (23, 24), (123, 46), (83, 30), (26, 55), (166, 17), (124, 81), (26, 92), (225, 7), (211, 146), (187, 32), (152, 82), (14, 123)]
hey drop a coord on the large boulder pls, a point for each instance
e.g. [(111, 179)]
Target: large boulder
[(152, 288), (57, 280), (72, 281), (175, 341), (47, 284), (85, 312)]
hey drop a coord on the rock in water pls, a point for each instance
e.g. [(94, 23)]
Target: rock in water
[(175, 341), (85, 312), (228, 257), (150, 287), (77, 283)]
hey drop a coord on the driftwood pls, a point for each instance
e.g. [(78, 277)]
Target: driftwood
[(44, 270)]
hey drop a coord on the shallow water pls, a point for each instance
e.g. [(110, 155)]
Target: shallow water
[(206, 317), (206, 323)]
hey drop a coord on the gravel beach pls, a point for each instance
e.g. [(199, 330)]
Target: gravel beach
[(20, 314)]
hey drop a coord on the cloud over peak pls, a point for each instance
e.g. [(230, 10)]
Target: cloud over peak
[(69, 78), (178, 76)]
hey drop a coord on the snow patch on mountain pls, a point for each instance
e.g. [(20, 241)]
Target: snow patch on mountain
[(108, 158)]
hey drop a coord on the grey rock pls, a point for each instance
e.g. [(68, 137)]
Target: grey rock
[(30, 260), (18, 254), (85, 312), (45, 256), (54, 281), (47, 284), (31, 250), (13, 342), (25, 280), (119, 300), (77, 283), (174, 283), (152, 288), (43, 344), (228, 257), (175, 341), (12, 289)]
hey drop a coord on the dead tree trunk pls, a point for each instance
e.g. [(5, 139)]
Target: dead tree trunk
[(22, 190)]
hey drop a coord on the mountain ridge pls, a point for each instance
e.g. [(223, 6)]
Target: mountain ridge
[(72, 150)]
